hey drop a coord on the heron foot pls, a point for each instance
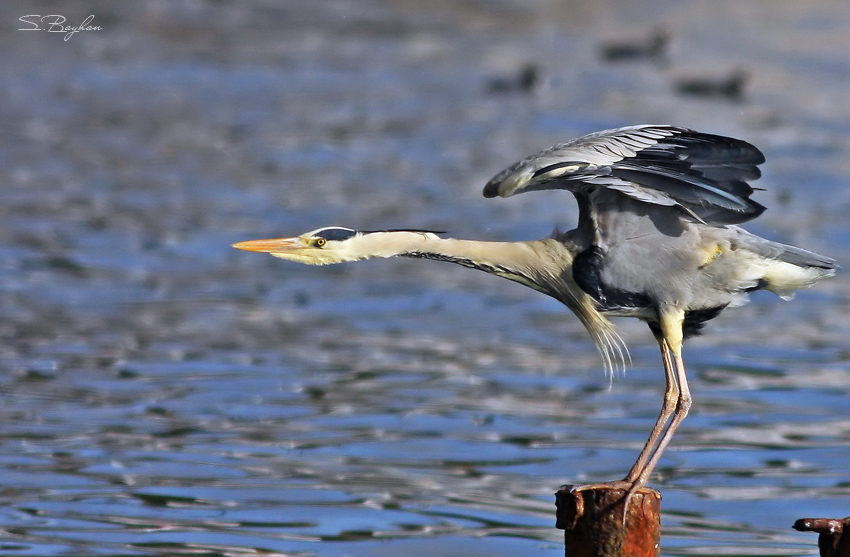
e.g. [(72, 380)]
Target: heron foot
[(628, 487)]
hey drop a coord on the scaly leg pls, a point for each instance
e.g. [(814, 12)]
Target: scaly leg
[(683, 405), (671, 395), (671, 333), (677, 403)]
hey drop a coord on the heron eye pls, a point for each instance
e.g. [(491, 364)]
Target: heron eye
[(320, 242)]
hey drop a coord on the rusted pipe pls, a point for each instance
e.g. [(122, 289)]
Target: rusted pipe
[(834, 534), (596, 524)]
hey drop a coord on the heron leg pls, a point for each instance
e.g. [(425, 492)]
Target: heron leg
[(671, 396), (677, 403), (671, 331)]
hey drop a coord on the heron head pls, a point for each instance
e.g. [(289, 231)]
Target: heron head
[(332, 244), (336, 244)]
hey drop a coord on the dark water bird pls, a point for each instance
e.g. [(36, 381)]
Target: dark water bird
[(527, 79), (731, 86), (657, 239), (652, 47)]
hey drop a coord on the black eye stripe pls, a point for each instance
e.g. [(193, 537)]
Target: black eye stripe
[(339, 234), (336, 234)]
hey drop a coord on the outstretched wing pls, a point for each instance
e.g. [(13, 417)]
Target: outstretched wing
[(705, 175)]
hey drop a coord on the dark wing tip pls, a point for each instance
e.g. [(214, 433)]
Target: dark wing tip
[(725, 216), (491, 189), (717, 148), (707, 174)]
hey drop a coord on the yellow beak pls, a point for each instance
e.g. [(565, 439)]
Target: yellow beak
[(273, 245)]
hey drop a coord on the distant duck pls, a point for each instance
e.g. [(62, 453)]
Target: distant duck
[(526, 80), (653, 48), (729, 86)]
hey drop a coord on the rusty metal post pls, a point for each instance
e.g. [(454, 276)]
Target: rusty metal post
[(834, 538), (595, 523)]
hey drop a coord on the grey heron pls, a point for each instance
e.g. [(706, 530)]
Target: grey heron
[(657, 239)]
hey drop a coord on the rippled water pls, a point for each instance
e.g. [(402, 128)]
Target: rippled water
[(163, 394)]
